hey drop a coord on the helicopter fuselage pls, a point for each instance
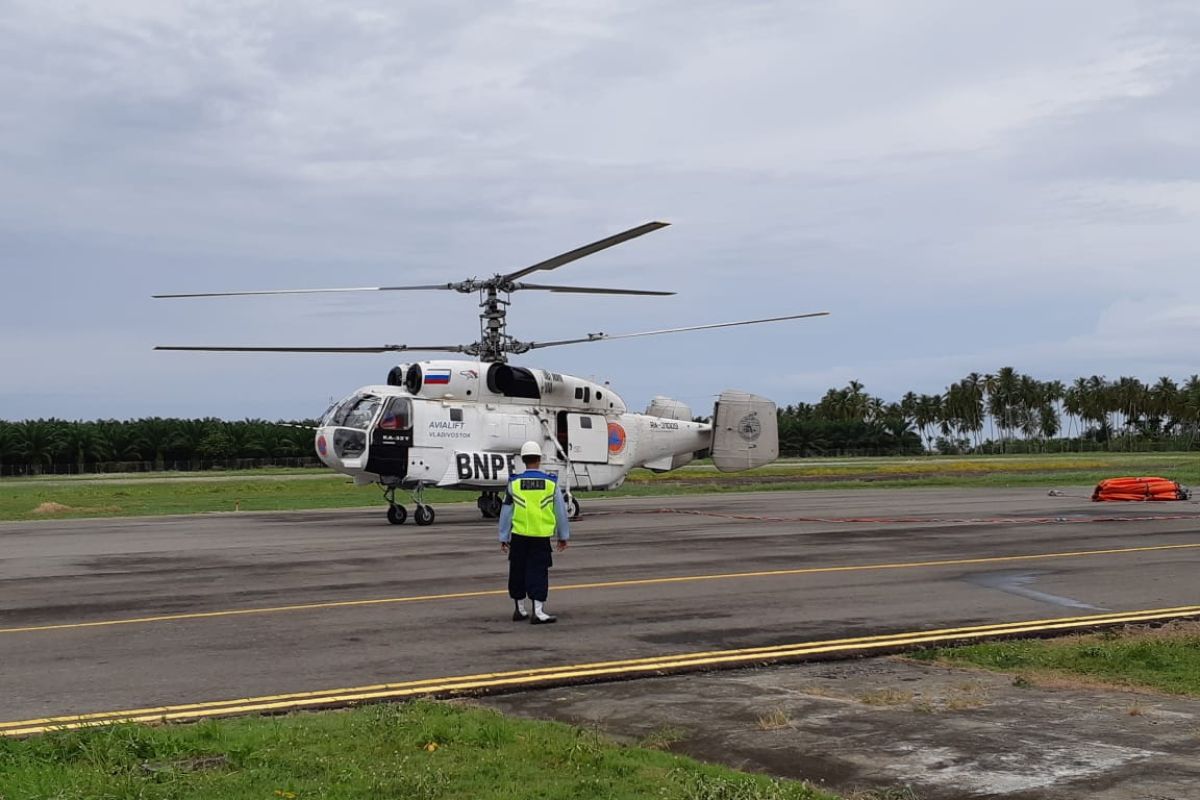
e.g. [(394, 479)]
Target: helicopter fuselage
[(459, 424)]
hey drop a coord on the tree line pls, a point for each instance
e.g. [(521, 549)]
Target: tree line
[(56, 445), (1001, 412)]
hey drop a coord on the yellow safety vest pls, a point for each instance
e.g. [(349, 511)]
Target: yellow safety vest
[(533, 504)]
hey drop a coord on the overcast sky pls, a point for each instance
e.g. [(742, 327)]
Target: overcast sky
[(964, 185)]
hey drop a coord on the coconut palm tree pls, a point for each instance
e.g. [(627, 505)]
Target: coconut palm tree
[(1129, 399), (928, 413), (1163, 405), (1002, 402), (1189, 409), (1094, 407)]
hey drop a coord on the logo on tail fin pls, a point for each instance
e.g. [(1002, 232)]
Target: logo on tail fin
[(749, 428)]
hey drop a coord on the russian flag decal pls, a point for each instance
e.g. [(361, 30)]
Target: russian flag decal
[(437, 376)]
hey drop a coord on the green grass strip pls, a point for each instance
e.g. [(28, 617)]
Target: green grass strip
[(108, 496), (417, 751), (1164, 659)]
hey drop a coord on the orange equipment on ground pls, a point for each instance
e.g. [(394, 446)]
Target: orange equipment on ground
[(1139, 489)]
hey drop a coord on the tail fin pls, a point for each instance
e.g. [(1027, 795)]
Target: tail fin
[(745, 431)]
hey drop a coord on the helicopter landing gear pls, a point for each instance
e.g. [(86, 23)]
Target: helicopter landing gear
[(489, 504), (573, 508), (423, 514), (397, 515)]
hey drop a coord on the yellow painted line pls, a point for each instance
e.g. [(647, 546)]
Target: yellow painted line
[(1088, 619), (576, 672), (953, 562)]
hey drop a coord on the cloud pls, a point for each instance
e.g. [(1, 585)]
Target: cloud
[(959, 183)]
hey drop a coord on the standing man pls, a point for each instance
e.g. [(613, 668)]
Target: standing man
[(533, 512)]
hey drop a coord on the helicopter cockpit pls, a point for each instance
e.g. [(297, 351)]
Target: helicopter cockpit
[(385, 422), (349, 421)]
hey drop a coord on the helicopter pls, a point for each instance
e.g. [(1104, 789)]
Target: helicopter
[(459, 423)]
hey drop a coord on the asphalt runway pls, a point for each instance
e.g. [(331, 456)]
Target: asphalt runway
[(99, 616)]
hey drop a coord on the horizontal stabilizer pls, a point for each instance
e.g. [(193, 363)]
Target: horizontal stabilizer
[(745, 431)]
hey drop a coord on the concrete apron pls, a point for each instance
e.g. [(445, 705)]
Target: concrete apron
[(886, 723)]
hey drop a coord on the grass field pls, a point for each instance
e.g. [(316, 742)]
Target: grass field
[(1165, 659), (272, 490), (415, 751)]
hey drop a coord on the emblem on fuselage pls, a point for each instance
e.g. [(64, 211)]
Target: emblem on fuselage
[(616, 438)]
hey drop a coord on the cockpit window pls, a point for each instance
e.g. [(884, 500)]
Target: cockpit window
[(327, 416), (397, 416), (356, 412)]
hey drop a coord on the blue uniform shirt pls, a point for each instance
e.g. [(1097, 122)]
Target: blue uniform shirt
[(562, 526)]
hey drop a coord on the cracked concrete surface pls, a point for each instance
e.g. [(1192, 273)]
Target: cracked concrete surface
[(887, 723)]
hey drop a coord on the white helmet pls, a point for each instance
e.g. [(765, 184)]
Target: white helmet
[(531, 449)]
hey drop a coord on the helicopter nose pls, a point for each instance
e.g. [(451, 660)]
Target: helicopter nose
[(324, 447)]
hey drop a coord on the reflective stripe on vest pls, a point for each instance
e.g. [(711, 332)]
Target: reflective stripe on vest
[(533, 505)]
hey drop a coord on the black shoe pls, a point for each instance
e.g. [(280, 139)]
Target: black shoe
[(519, 617), (534, 619)]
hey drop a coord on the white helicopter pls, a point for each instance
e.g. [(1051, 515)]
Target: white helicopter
[(459, 424)]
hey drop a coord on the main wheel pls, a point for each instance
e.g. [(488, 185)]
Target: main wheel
[(491, 506), (423, 515), (573, 508), (396, 515), (488, 505)]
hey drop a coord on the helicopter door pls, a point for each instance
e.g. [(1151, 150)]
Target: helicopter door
[(391, 439), (587, 437)]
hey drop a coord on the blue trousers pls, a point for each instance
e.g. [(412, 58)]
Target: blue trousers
[(529, 562)]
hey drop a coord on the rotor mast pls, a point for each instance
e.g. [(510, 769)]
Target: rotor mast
[(494, 342)]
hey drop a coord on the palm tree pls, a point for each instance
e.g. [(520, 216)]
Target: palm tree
[(989, 384), (279, 440), (156, 436), (1129, 399), (974, 387), (189, 436), (928, 412), (1163, 403), (1095, 407), (1189, 408), (119, 440), (1002, 401), (80, 443), (1053, 394), (37, 442), (8, 444)]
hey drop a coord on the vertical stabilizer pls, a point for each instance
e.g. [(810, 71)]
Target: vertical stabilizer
[(745, 431)]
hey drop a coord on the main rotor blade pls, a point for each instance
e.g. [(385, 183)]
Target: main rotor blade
[(306, 291), (600, 337), (585, 289), (587, 250), (387, 348)]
